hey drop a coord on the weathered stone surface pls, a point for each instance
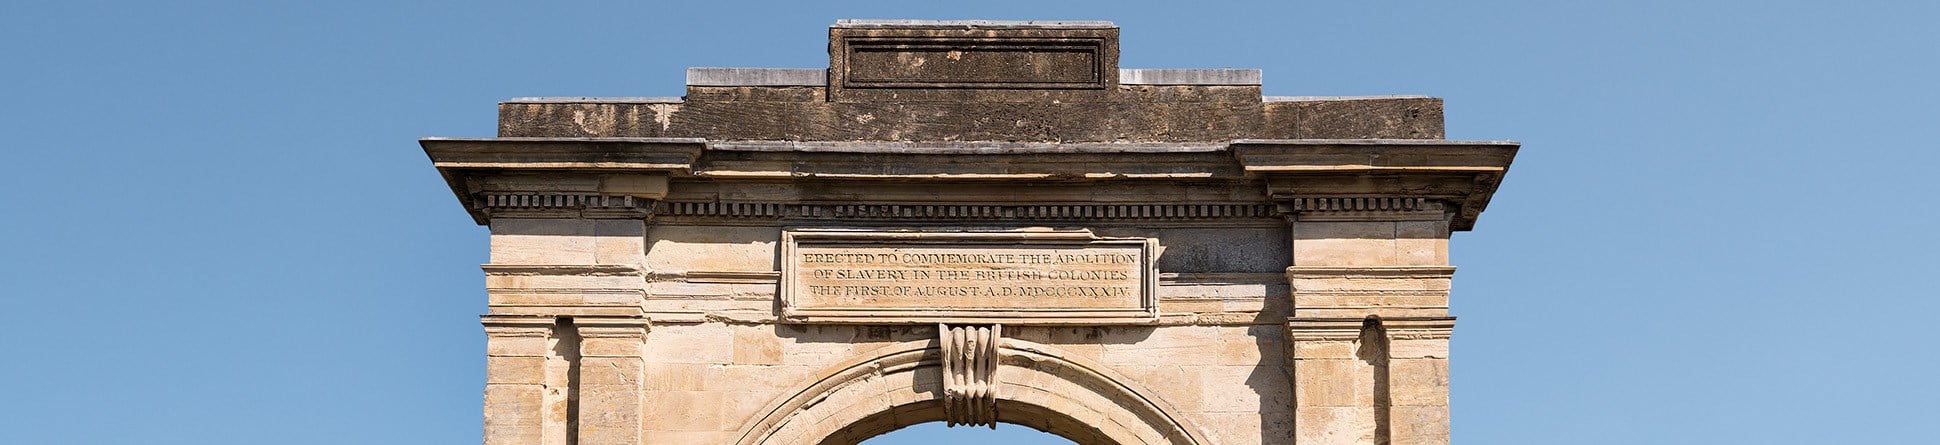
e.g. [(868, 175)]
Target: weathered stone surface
[(1346, 117), (1157, 256)]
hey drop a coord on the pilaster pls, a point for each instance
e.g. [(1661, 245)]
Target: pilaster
[(1418, 380), (1337, 373), (612, 380), (516, 383)]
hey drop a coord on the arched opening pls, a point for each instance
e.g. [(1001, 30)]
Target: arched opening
[(901, 385), (1019, 417), (934, 433)]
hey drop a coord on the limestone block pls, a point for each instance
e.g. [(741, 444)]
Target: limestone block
[(1421, 243), (1344, 243), (1418, 425), (1418, 382), (684, 411), (676, 376), (543, 241), (1418, 348), (617, 372), (1248, 346), (610, 414), (1334, 426), (706, 343), (1336, 383), (1223, 249), (714, 249), (516, 346), (515, 369), (1240, 428), (688, 437), (1077, 342), (619, 241), (1323, 349), (1249, 389), (756, 345), (1129, 345), (512, 414), (1181, 386), (611, 347)]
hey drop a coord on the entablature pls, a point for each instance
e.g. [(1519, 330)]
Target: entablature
[(1319, 179)]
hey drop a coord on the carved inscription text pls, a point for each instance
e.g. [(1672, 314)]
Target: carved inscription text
[(976, 276)]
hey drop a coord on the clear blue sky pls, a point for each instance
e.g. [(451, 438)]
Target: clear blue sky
[(218, 227)]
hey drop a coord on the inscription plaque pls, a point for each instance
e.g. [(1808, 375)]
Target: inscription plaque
[(966, 277), (975, 63)]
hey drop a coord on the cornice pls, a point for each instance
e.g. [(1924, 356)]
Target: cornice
[(1310, 178), (965, 212), (1464, 174), (460, 160)]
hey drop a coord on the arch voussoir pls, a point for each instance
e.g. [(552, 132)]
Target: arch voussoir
[(891, 388)]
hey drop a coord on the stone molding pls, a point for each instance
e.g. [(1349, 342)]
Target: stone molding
[(1350, 329), (612, 327), (1411, 272), (963, 212), (563, 269), (517, 325), (563, 205), (1364, 208)]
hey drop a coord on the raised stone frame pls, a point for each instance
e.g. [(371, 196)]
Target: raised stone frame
[(973, 222)]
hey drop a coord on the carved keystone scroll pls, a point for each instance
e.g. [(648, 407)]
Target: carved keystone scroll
[(969, 374)]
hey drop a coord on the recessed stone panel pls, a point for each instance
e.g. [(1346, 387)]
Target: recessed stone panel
[(963, 276)]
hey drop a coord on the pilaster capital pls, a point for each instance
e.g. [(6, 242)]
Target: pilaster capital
[(516, 325), (1420, 328), (1324, 329), (612, 327)]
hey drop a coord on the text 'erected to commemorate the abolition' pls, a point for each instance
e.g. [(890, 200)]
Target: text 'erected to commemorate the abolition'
[(1013, 276)]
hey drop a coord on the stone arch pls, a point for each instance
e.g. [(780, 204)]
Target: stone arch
[(901, 385)]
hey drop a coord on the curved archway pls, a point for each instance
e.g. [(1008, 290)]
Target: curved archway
[(901, 385), (940, 433)]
